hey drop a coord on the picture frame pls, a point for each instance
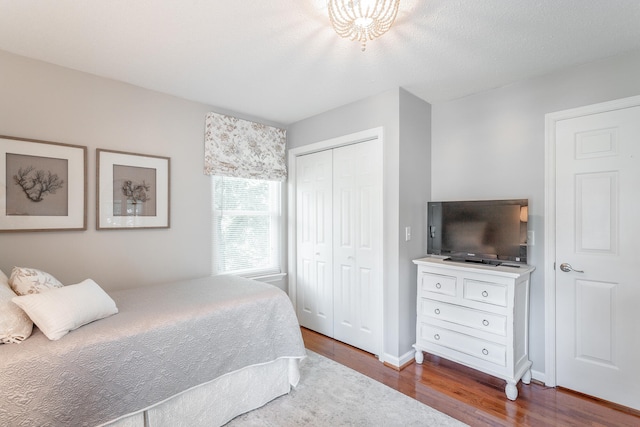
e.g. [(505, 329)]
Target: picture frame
[(43, 185), (132, 190)]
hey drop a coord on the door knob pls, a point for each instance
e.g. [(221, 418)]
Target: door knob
[(566, 267)]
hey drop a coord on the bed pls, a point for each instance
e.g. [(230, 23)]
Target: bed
[(196, 352)]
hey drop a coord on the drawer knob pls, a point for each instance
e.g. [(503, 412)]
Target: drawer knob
[(436, 311), (485, 351), (485, 294), (436, 336), (438, 285), (485, 322)]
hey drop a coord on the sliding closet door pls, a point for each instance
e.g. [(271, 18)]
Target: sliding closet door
[(314, 267), (357, 244)]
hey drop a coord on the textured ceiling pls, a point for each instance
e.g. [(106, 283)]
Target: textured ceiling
[(279, 60)]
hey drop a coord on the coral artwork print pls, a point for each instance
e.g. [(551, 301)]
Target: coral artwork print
[(36, 185), (134, 191)]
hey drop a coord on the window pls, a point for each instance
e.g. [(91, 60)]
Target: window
[(247, 225)]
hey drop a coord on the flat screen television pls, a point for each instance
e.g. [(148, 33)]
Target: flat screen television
[(484, 231)]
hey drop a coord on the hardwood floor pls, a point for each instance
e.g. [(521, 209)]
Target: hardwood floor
[(476, 398)]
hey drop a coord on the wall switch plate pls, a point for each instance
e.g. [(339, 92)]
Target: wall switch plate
[(407, 234), (531, 238)]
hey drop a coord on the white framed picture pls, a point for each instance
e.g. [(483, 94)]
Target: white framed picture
[(132, 190), (43, 185)]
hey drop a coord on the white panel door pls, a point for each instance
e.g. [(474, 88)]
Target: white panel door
[(357, 239), (314, 269), (597, 254)]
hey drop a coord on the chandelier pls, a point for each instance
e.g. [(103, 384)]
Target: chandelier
[(362, 20)]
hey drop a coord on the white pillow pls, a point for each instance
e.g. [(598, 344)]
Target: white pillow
[(15, 325), (25, 281), (58, 311)]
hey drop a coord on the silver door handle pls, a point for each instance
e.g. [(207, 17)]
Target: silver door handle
[(566, 267)]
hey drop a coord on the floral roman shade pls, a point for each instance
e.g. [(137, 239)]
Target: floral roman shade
[(243, 149)]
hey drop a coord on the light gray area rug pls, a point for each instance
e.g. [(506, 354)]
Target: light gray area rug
[(330, 394)]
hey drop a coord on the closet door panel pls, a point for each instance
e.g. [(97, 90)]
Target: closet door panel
[(314, 214), (357, 189)]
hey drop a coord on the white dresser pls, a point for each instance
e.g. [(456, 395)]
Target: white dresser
[(476, 315)]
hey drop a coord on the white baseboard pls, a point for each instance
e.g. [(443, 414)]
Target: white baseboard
[(538, 376), (397, 362)]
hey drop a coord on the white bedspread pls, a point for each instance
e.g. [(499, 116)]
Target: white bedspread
[(164, 340)]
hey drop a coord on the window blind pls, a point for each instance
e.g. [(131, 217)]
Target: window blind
[(246, 225)]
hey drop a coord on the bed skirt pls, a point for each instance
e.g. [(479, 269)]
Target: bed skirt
[(219, 401)]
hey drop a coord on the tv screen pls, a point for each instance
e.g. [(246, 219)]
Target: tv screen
[(487, 231)]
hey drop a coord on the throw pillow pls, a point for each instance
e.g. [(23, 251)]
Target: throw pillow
[(15, 325), (26, 281), (58, 311)]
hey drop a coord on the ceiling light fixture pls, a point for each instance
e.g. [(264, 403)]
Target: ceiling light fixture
[(362, 20)]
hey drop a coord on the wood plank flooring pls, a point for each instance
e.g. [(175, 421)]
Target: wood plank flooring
[(475, 398)]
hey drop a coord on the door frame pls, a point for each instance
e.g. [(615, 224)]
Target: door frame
[(551, 120), (293, 154)]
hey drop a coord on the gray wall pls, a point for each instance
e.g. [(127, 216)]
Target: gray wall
[(492, 146), (43, 101), (406, 123), (414, 192)]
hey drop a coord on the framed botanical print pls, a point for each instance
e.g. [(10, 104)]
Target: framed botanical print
[(43, 185), (132, 190)]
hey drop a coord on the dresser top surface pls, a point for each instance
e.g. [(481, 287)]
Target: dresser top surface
[(506, 269)]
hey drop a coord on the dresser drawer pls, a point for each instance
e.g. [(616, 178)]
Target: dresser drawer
[(480, 320), (487, 292), (484, 350), (436, 283)]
